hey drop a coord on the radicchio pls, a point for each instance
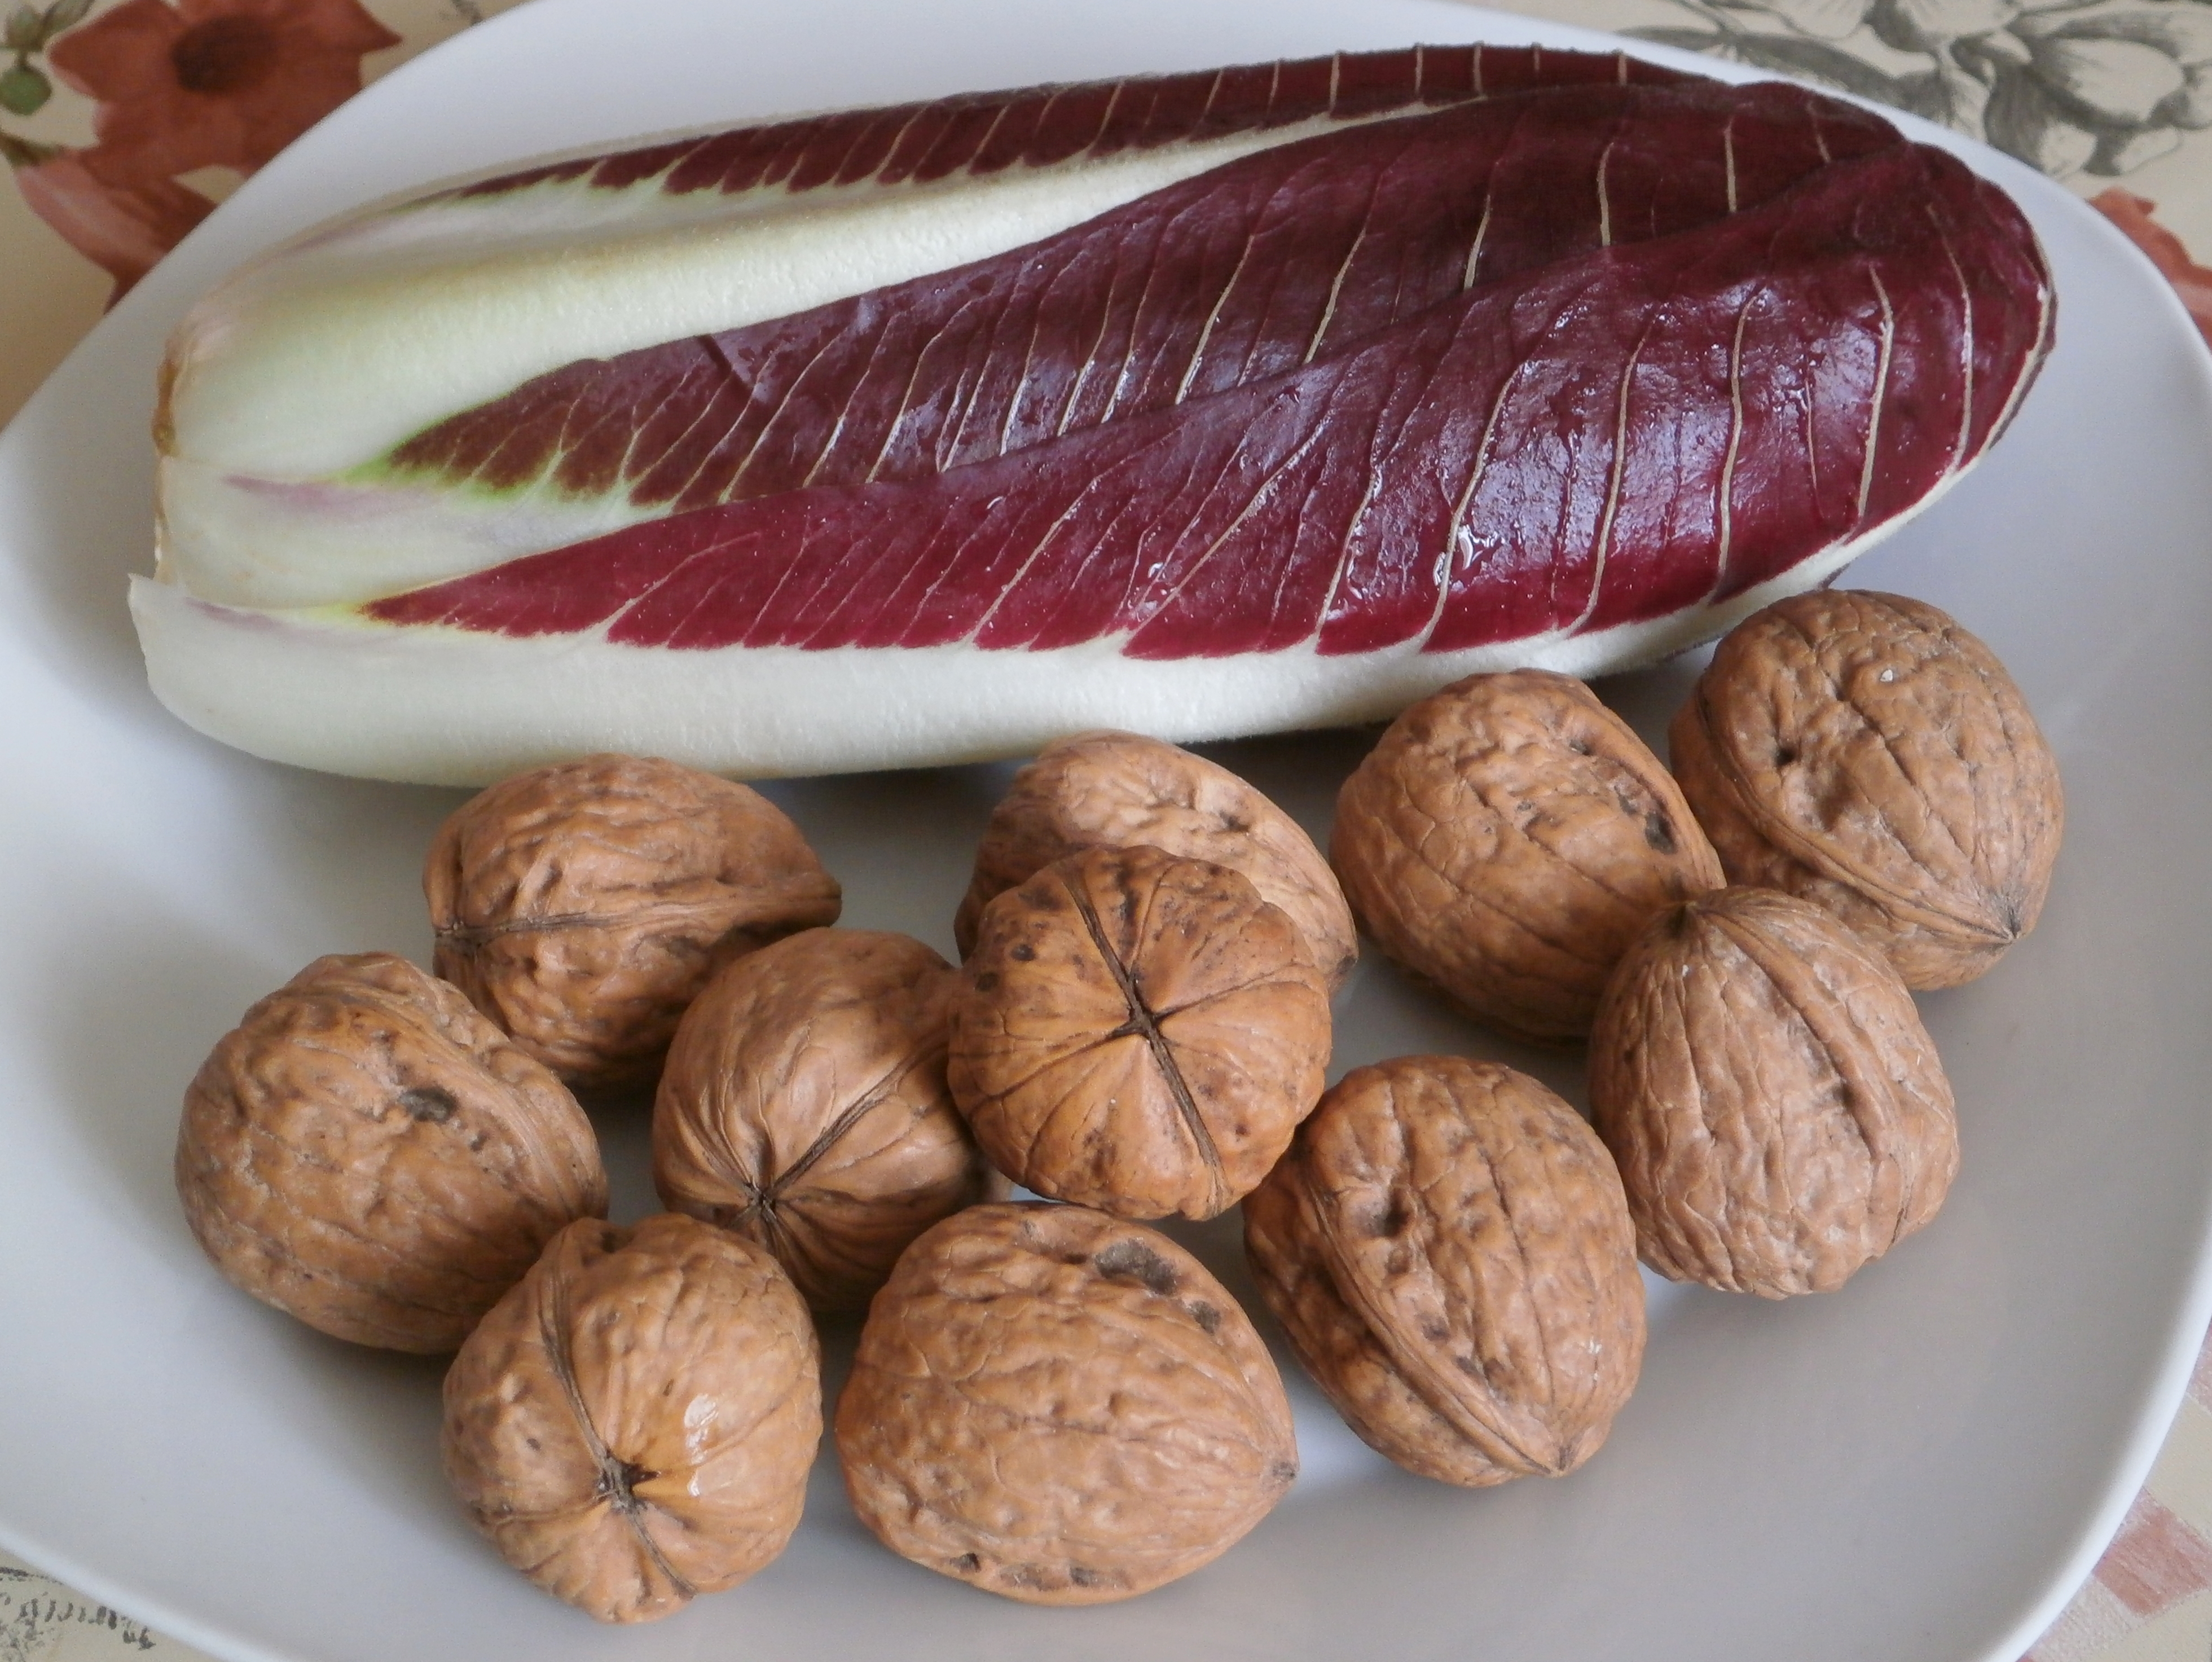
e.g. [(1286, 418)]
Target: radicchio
[(1570, 375)]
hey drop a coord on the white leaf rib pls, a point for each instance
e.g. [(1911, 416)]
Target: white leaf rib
[(948, 565), (662, 581), (1252, 505), (1610, 516), (1336, 284), (707, 455), (1880, 388), (1605, 196), (1213, 315), (1481, 230), (1021, 381), (989, 133), (1213, 92), (1376, 472), (1106, 116), (974, 386), (898, 416), (875, 346), (1344, 550), (783, 398), (1446, 556), (743, 388), (2023, 372), (1035, 553), (1965, 345), (1726, 515)]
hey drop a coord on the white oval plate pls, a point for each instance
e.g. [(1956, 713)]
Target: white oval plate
[(1920, 1466)]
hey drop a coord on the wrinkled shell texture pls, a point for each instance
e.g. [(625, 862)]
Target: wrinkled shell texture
[(366, 1151), (1061, 1407), (634, 1422), (582, 906), (1118, 789), (805, 1105), (1778, 1112), (1505, 841), (1863, 751), (1139, 1033), (1447, 1246)]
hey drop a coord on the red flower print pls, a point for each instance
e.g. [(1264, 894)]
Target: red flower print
[(121, 228), (212, 82), (2192, 281)]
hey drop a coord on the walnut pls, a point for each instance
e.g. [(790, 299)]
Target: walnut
[(1114, 789), (1863, 751), (634, 1422), (366, 1151), (1061, 1407), (1506, 840), (1139, 1033), (805, 1106), (1449, 1249), (583, 906), (1778, 1112)]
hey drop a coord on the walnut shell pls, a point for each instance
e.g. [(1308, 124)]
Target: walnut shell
[(1447, 1246), (634, 1422), (804, 1105), (1113, 790), (1506, 839), (367, 1151), (1061, 1407), (583, 906), (1864, 751), (1139, 1033), (1780, 1113)]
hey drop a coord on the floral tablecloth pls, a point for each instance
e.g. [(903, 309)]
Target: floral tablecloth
[(124, 122)]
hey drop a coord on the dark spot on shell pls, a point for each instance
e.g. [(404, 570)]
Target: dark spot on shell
[(1131, 1260), (1659, 831), (1468, 1365), (1207, 1318), (1389, 1220), (432, 1103), (1579, 746), (1784, 756), (986, 981), (1235, 822), (1023, 953), (1083, 1577), (1283, 1471), (1434, 1331), (966, 1564), (618, 1481)]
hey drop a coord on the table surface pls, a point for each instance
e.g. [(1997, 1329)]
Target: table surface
[(124, 121)]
